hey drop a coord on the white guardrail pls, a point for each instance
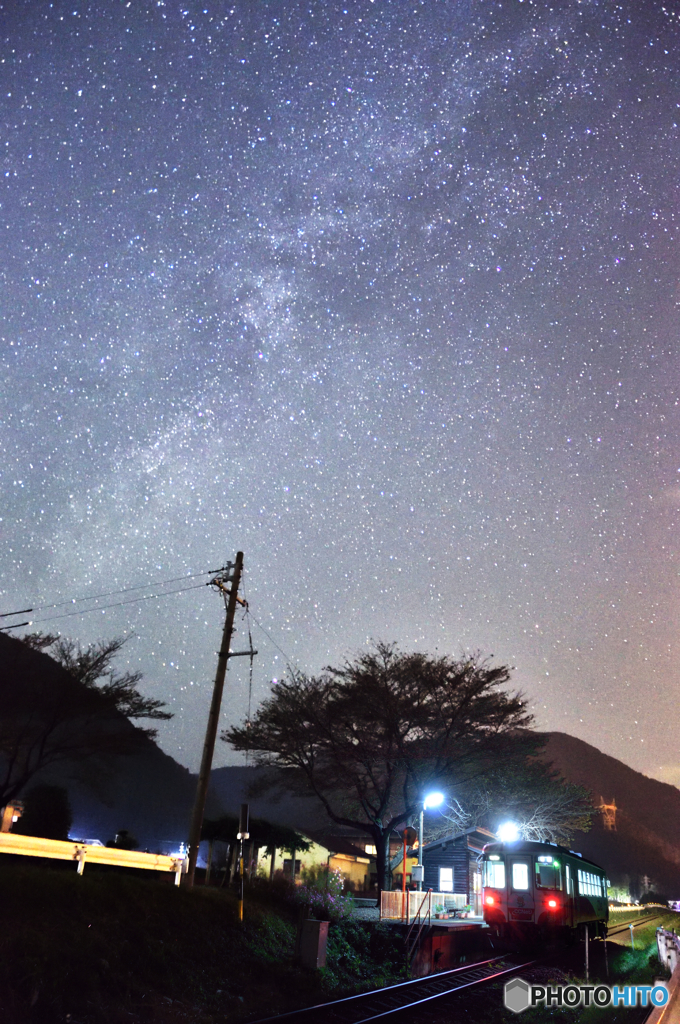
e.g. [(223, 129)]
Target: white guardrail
[(668, 945), (80, 853)]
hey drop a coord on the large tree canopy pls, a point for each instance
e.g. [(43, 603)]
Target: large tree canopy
[(371, 737), (64, 708)]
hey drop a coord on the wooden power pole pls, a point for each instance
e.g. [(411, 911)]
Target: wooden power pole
[(213, 718)]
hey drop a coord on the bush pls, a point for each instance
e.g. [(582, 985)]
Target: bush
[(324, 897), (368, 956)]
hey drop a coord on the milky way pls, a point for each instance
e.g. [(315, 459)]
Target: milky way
[(385, 295)]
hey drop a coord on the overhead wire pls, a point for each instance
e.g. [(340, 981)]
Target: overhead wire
[(116, 604), (291, 664), (113, 593), (148, 597)]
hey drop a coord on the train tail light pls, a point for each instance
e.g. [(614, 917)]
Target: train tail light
[(490, 900), (552, 904)]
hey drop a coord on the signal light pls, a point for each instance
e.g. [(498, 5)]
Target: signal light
[(552, 904), (490, 900)]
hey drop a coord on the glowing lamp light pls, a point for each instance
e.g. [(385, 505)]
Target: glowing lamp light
[(490, 900), (552, 904), (433, 800), (508, 833)]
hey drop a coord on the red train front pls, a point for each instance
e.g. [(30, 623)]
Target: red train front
[(530, 886)]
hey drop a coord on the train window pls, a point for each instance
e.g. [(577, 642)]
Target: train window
[(548, 874), (569, 879), (589, 884), (494, 874), (520, 874)]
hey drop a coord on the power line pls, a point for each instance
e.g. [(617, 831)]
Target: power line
[(290, 663), (117, 604), (113, 593), (135, 600)]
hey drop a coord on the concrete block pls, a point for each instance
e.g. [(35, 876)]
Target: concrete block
[(313, 942)]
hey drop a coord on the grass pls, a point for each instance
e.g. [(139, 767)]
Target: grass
[(112, 947), (109, 947), (639, 966)]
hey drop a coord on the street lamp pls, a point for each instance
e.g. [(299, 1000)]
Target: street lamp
[(430, 801)]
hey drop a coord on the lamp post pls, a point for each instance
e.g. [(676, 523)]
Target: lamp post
[(431, 800)]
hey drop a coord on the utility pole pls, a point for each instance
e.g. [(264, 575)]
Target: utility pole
[(236, 569)]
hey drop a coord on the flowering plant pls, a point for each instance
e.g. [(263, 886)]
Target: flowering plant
[(324, 897)]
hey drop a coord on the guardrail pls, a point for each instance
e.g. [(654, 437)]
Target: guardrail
[(82, 853), (668, 946)]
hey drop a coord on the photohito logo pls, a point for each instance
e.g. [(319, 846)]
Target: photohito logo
[(519, 995)]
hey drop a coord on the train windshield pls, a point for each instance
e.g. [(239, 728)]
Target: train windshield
[(520, 875), (494, 874), (548, 875)]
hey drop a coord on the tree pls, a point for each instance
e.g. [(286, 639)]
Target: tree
[(47, 813), (263, 834), (527, 792), (369, 739), (124, 841), (93, 664), (64, 708)]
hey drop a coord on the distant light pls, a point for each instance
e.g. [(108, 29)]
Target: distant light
[(433, 800), (508, 833)]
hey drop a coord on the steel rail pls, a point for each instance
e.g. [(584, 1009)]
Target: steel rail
[(374, 1005), (625, 926)]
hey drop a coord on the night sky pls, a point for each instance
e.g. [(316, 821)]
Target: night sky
[(384, 294)]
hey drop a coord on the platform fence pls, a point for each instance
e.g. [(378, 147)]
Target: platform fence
[(403, 906)]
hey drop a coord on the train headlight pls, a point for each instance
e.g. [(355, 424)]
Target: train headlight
[(508, 833)]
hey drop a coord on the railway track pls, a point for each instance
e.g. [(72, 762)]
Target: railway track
[(409, 995), (625, 927)]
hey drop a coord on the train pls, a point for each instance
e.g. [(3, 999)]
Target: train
[(533, 889)]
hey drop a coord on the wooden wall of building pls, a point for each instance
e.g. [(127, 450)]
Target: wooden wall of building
[(453, 853)]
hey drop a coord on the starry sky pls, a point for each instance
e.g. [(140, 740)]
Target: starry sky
[(385, 295)]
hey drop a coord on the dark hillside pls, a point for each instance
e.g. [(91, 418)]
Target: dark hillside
[(232, 786), (653, 804), (647, 836), (143, 790)]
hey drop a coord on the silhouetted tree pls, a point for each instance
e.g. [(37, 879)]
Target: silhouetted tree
[(370, 738), (124, 841), (47, 813), (92, 666), (263, 835), (65, 707)]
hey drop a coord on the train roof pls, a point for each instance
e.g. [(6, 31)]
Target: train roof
[(534, 846)]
